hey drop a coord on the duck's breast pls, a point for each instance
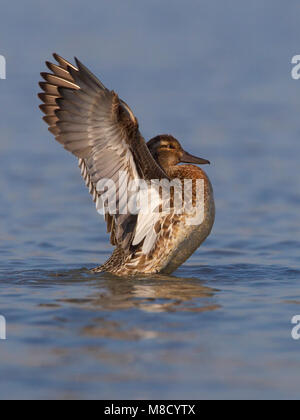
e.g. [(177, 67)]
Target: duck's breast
[(189, 237)]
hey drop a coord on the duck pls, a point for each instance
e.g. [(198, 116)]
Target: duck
[(102, 132)]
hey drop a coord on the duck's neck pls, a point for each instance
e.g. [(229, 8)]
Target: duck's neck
[(172, 171), (185, 172)]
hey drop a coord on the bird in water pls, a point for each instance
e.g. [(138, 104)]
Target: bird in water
[(101, 130)]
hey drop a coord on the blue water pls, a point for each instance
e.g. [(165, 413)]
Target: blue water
[(217, 75)]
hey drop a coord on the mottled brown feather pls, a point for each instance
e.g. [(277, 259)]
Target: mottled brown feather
[(70, 98)]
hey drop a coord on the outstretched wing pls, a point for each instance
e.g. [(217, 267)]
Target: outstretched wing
[(99, 128)]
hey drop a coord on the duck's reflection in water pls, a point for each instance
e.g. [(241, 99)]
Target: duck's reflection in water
[(157, 293), (115, 301)]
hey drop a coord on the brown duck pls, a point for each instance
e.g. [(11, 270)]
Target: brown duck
[(101, 130)]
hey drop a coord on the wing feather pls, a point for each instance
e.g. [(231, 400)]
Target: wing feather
[(101, 130)]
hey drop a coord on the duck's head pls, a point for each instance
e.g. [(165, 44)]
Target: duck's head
[(168, 152)]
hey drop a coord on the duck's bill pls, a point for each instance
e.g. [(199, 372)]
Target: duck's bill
[(188, 158)]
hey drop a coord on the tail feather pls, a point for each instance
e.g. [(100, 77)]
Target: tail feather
[(112, 265)]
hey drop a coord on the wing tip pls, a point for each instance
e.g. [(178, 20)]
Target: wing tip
[(56, 56)]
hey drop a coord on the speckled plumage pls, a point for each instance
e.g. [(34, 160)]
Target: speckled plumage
[(176, 241), (102, 132)]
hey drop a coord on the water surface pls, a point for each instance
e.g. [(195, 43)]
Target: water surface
[(220, 327)]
